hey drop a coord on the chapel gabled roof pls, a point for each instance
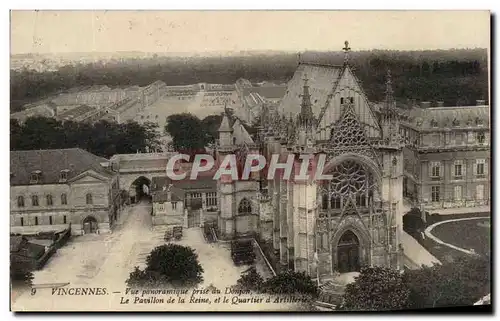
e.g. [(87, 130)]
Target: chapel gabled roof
[(322, 81)]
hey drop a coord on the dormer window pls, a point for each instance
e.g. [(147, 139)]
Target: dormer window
[(479, 122), (434, 123), (469, 122), (35, 177), (63, 175), (455, 122)]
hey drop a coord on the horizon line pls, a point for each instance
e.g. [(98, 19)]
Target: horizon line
[(241, 51)]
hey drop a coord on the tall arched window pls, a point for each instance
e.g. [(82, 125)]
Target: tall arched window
[(245, 207), (89, 198)]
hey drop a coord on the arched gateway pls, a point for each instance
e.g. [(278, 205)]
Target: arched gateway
[(90, 225)]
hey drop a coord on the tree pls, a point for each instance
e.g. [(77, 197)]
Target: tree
[(168, 265), (376, 289), (102, 138), (290, 282), (211, 126), (250, 280), (187, 132), (458, 283)]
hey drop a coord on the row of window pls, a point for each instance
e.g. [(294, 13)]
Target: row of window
[(457, 193), (51, 221), (49, 200), (458, 138), (162, 208), (456, 123), (338, 202), (211, 197), (458, 169), (147, 117)]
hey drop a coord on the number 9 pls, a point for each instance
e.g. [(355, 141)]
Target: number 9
[(33, 291)]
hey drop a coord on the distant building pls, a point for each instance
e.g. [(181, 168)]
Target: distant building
[(44, 109), (447, 158), (253, 98), (53, 189), (189, 203)]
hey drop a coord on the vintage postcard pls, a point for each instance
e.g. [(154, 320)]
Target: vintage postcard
[(250, 160)]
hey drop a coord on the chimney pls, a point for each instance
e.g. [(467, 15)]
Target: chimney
[(480, 102), (439, 103), (425, 104)]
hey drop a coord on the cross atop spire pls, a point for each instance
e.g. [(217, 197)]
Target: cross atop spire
[(346, 50)]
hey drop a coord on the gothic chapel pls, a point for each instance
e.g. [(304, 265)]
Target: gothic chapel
[(331, 226)]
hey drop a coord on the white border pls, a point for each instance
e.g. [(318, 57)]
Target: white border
[(186, 4)]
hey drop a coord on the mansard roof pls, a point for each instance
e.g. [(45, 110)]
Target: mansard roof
[(322, 81), (449, 117), (51, 162)]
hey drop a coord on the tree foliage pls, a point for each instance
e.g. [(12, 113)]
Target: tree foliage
[(102, 138), (19, 274), (290, 282), (376, 289), (452, 76), (168, 265), (250, 280), (187, 132), (458, 283)]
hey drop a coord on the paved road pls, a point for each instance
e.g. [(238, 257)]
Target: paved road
[(97, 260)]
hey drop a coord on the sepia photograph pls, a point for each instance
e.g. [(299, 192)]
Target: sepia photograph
[(271, 161)]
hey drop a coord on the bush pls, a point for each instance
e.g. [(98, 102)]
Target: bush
[(376, 289), (19, 275), (290, 282), (458, 283), (168, 265), (250, 280)]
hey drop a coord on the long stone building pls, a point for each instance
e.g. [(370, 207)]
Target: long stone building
[(51, 190)]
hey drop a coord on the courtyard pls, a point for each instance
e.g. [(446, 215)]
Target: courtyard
[(471, 234), (106, 260)]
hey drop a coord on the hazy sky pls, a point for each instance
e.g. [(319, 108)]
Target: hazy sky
[(197, 31)]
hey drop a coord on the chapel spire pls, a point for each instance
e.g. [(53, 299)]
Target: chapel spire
[(306, 116), (389, 103)]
